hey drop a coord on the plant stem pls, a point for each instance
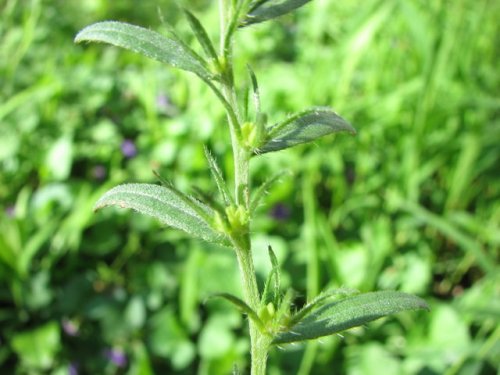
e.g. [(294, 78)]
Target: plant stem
[(259, 341)]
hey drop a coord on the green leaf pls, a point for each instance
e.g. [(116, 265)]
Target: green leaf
[(146, 42), (267, 10), (167, 205), (349, 312), (239, 303), (263, 189), (319, 300), (37, 349), (274, 275), (304, 127), (255, 88), (219, 179), (201, 34)]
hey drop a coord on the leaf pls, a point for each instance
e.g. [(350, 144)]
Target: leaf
[(304, 127), (238, 302), (201, 34), (167, 205), (146, 42), (317, 301), (274, 275), (255, 88), (263, 189), (219, 179), (267, 10), (349, 312)]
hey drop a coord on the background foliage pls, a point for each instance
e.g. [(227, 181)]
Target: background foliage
[(412, 203)]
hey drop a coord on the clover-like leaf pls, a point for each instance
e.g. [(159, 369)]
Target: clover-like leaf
[(304, 127), (146, 42), (266, 10), (350, 312), (169, 206)]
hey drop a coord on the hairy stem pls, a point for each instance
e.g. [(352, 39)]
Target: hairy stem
[(259, 341)]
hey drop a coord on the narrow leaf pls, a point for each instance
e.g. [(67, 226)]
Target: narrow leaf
[(164, 204), (263, 189), (201, 210), (146, 42), (350, 312), (238, 302), (304, 127), (319, 300), (255, 88), (274, 275), (219, 179), (201, 34), (267, 10)]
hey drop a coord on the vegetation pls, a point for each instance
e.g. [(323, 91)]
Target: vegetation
[(410, 204)]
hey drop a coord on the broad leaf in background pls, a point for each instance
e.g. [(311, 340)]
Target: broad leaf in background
[(146, 42), (304, 127), (167, 205), (267, 10), (350, 312)]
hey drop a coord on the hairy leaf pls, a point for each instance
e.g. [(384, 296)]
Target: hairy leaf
[(219, 179), (349, 312), (201, 34), (304, 127), (274, 275), (238, 302), (267, 10), (319, 300), (263, 189), (166, 205), (146, 42)]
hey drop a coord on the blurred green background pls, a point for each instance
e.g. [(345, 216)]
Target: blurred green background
[(412, 203)]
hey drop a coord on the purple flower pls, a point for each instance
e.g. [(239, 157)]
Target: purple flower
[(128, 148), (99, 172), (69, 327), (164, 105), (73, 369), (10, 211), (117, 356), (280, 212)]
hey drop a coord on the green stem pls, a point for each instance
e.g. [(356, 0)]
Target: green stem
[(259, 341)]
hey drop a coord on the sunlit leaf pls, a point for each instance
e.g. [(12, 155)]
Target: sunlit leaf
[(239, 303), (267, 10), (304, 127), (263, 189), (219, 179), (350, 312), (146, 42), (274, 277), (166, 205), (201, 34)]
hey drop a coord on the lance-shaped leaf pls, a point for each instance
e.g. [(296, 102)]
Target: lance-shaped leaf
[(263, 189), (304, 127), (169, 206), (267, 10), (274, 275), (219, 179), (146, 42), (201, 34), (239, 303), (350, 312)]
